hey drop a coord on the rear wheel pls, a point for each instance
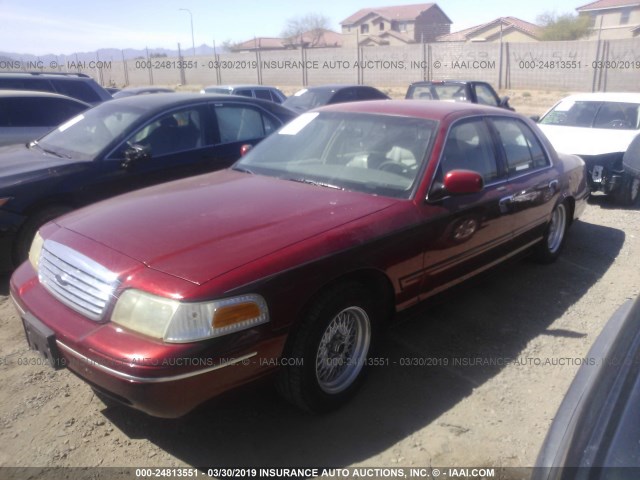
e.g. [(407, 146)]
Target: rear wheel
[(330, 349), (549, 249), (629, 190), (29, 229)]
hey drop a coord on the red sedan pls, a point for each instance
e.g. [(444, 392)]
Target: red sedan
[(289, 262)]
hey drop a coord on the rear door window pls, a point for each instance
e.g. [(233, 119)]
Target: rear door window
[(485, 95), (76, 89), (242, 122), (522, 149)]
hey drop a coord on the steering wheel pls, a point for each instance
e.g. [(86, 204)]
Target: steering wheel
[(392, 166), (618, 123)]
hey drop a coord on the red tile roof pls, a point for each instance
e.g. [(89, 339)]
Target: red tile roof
[(507, 22), (399, 12), (263, 43), (604, 4)]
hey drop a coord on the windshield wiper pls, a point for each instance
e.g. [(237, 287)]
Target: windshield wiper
[(50, 152), (241, 169), (313, 182)]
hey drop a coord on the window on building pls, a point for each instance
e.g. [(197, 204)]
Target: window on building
[(624, 16), (381, 26), (364, 28)]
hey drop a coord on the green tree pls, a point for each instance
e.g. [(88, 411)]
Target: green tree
[(563, 27)]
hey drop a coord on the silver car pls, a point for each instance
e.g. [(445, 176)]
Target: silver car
[(27, 115)]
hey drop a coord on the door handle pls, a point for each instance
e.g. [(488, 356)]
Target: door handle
[(504, 203)]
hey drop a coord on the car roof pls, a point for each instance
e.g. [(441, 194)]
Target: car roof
[(335, 86), (37, 94), (156, 102), (427, 109), (57, 75), (238, 86), (148, 88), (443, 82), (605, 97)]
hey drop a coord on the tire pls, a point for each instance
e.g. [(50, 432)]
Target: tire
[(629, 190), (333, 343), (29, 229), (551, 246)]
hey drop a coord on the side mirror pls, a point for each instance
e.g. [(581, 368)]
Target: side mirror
[(244, 149), (136, 153), (535, 118), (463, 182)]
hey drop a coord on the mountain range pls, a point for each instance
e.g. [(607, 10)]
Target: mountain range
[(109, 54)]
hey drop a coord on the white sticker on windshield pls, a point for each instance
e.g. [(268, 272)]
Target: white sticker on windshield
[(565, 106), (298, 124), (70, 123), (300, 92)]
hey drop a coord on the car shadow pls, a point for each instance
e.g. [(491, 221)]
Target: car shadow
[(607, 202), (494, 318)]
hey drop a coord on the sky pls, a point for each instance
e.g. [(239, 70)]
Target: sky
[(58, 27)]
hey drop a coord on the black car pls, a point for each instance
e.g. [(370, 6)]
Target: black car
[(596, 431), (312, 97), (75, 85), (122, 145), (458, 91)]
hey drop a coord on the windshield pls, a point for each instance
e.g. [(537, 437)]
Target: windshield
[(612, 115), (304, 100), (85, 136), (376, 154), (451, 92)]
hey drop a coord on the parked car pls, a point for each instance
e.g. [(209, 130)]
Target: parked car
[(599, 127), (596, 431), (289, 262), (313, 97), (112, 90), (75, 85), (457, 91), (119, 146), (27, 115), (128, 92), (256, 91)]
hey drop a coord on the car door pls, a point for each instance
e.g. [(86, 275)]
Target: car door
[(178, 143), (485, 95), (534, 184), (466, 233)]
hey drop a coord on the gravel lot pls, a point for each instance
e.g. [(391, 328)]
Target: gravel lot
[(488, 367)]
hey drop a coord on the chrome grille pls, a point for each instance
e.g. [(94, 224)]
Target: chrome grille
[(76, 280)]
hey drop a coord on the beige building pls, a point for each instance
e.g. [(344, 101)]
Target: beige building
[(613, 19), (506, 29), (399, 25)]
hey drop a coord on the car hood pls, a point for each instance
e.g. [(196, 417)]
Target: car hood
[(202, 227), (588, 141), (18, 163)]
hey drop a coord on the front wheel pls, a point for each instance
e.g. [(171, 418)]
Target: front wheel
[(549, 249), (627, 193), (331, 349)]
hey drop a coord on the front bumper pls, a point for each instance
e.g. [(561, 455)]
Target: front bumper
[(163, 380), (604, 172)]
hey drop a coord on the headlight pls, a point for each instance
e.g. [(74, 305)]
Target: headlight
[(179, 322), (35, 250)]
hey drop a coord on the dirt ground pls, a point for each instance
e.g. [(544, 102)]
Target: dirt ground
[(473, 380)]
